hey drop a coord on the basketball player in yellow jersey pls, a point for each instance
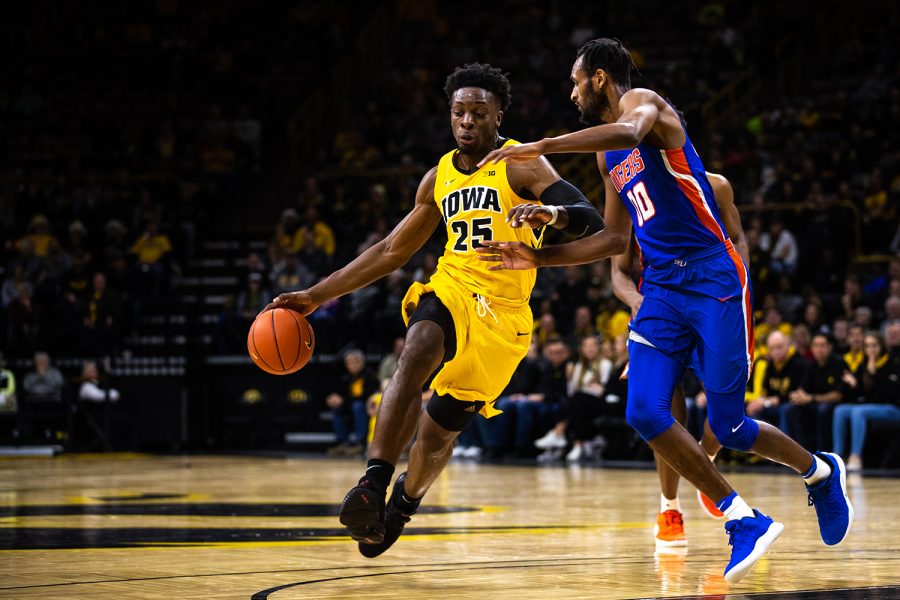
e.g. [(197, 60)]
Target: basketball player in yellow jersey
[(471, 325)]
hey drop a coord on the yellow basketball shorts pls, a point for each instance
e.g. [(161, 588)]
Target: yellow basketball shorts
[(491, 341)]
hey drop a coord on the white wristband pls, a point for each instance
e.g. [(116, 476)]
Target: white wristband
[(554, 212)]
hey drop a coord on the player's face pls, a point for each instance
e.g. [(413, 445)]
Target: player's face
[(475, 117), (587, 95)]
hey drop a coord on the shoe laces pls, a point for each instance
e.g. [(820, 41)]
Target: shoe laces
[(737, 532), (825, 496)]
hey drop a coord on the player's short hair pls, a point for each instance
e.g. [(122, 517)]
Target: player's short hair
[(480, 75), (610, 55)]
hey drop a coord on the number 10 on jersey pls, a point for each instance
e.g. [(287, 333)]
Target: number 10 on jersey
[(643, 206)]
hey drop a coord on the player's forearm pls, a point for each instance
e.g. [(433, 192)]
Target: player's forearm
[(624, 288), (589, 249), (368, 267), (612, 136), (740, 244)]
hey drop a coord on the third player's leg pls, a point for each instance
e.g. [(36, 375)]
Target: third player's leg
[(428, 456), (652, 376), (668, 476), (401, 403)]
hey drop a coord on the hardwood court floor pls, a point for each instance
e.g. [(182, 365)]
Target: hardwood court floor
[(134, 526)]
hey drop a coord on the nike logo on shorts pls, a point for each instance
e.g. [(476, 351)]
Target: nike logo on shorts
[(520, 334), (733, 429)]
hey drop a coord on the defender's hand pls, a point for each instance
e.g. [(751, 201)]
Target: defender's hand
[(532, 215), (509, 255), (514, 154), (300, 301)]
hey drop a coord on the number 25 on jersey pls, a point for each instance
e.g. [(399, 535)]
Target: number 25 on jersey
[(642, 203)]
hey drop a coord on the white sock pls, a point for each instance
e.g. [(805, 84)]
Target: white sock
[(820, 472), (738, 509), (667, 504)]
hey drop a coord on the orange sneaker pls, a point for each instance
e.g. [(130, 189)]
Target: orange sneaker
[(669, 529), (708, 506)]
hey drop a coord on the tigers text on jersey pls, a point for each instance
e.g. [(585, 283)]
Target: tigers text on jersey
[(669, 198), (474, 207)]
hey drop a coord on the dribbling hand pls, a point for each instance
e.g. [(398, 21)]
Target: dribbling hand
[(300, 301), (514, 256)]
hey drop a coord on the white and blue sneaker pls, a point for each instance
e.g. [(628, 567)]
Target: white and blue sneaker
[(749, 537), (829, 496)]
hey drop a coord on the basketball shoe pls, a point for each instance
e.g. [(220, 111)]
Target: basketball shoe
[(362, 512), (708, 506), (394, 522), (829, 496), (749, 537), (669, 529)]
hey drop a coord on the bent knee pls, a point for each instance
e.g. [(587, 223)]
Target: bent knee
[(739, 435)]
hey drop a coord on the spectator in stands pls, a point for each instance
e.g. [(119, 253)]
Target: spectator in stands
[(254, 297), (388, 364), (45, 383), (854, 356), (90, 389), (323, 236), (101, 315), (809, 412), (892, 340), (290, 275), (151, 249), (802, 341), (782, 247), (840, 331), (783, 373), (7, 388), (22, 321), (288, 236), (348, 403), (891, 311), (546, 405), (863, 316), (12, 286), (39, 235), (583, 326), (546, 330), (772, 322), (253, 264), (587, 379), (875, 394)]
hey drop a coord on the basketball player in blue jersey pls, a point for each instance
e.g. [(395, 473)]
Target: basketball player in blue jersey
[(467, 325), (669, 528), (696, 294)]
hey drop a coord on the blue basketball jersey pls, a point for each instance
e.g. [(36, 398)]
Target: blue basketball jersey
[(669, 198)]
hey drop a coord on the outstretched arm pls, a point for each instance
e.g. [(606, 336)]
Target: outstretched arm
[(383, 258), (609, 242), (730, 216), (641, 112), (563, 206)]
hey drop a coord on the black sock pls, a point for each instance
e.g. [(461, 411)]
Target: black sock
[(379, 472), (405, 503)]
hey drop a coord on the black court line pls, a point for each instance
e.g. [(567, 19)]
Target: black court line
[(456, 566), (880, 592)]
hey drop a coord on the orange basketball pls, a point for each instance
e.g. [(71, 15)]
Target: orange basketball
[(280, 341)]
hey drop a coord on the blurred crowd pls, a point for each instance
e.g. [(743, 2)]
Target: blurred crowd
[(128, 132)]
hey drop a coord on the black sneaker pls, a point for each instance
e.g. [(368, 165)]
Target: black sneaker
[(362, 513), (394, 521)]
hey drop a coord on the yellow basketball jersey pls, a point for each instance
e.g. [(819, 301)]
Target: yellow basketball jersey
[(474, 207)]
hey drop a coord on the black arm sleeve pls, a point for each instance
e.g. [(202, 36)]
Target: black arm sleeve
[(583, 217)]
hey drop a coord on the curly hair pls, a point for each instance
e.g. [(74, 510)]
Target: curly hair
[(482, 76)]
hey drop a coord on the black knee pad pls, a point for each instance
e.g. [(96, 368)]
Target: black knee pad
[(452, 414), (430, 308)]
